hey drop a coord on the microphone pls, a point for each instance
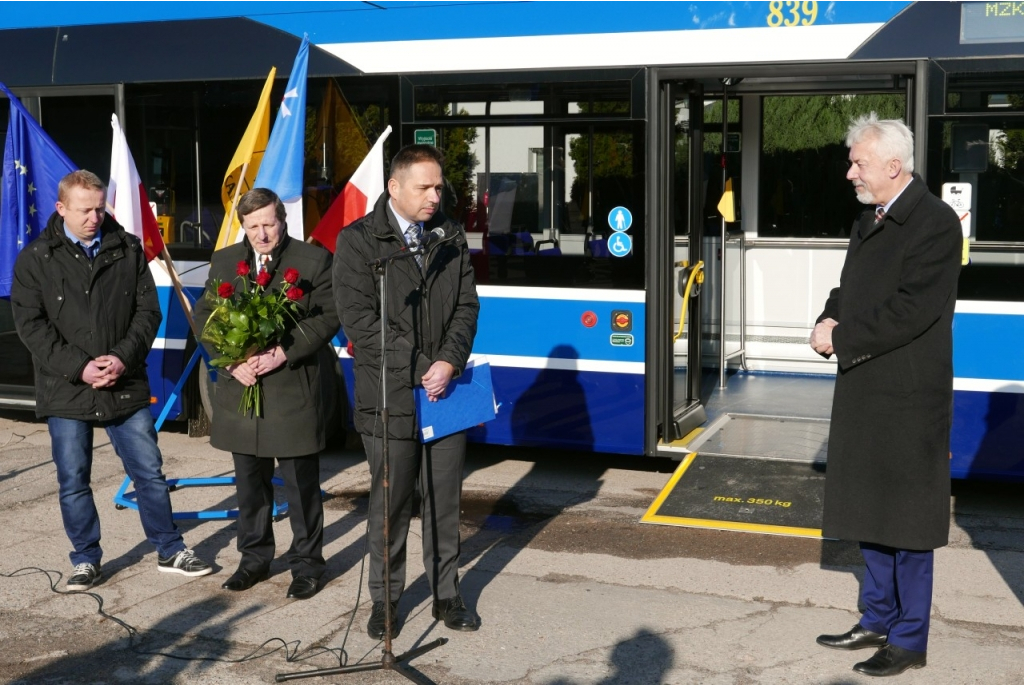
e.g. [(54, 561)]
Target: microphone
[(431, 238), (426, 241)]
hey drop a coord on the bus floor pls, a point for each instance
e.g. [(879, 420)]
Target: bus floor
[(794, 395)]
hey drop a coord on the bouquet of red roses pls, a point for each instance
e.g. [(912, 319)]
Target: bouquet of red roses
[(247, 319)]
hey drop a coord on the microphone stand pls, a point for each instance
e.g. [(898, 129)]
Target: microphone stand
[(388, 662)]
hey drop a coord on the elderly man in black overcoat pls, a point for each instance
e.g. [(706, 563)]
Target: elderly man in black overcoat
[(889, 323), (292, 425)]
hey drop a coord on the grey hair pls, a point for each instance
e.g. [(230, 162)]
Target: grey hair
[(893, 140)]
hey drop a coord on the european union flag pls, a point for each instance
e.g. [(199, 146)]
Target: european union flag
[(33, 166)]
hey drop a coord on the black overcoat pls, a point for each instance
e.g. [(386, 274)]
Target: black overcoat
[(294, 421), (887, 478), (432, 313), (69, 311)]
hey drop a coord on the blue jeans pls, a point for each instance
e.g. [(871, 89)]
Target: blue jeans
[(134, 441)]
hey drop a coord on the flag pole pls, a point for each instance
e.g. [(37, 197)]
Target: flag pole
[(234, 200), (168, 264)]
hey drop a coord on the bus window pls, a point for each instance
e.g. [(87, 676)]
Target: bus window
[(803, 191), (535, 201), (997, 211), (985, 151)]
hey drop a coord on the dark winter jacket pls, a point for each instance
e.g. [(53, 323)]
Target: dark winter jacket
[(432, 313), (887, 479), (68, 311), (293, 423)]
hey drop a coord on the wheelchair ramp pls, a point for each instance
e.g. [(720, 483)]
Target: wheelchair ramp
[(763, 474)]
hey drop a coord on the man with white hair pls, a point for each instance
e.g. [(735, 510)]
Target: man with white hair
[(889, 323)]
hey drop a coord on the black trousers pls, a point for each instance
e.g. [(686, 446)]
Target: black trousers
[(439, 467), (256, 505)]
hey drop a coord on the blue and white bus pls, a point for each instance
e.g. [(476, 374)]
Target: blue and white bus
[(589, 150)]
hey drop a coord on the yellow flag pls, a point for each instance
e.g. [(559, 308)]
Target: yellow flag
[(727, 205), (338, 148), (248, 155)]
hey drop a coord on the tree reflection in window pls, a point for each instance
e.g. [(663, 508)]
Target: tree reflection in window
[(803, 188)]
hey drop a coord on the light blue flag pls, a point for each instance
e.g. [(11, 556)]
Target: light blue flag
[(282, 167), (33, 166)]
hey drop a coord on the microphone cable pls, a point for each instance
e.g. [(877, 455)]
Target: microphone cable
[(291, 649)]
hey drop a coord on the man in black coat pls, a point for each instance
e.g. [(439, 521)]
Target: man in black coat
[(432, 310), (889, 323), (85, 304), (291, 425)]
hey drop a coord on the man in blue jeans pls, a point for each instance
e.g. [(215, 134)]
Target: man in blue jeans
[(85, 304)]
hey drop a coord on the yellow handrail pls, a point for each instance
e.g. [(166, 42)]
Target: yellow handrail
[(697, 273)]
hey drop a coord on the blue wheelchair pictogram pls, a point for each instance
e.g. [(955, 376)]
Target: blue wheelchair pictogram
[(620, 244), (620, 219)]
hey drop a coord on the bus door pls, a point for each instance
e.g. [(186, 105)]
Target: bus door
[(781, 149), (684, 289)]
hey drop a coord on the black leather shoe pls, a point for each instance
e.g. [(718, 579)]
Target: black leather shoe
[(855, 638), (243, 579), (891, 660), (375, 626), (455, 614), (303, 587)]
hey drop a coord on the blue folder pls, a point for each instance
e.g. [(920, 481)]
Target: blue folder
[(468, 402)]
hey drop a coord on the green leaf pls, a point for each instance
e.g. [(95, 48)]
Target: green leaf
[(237, 337)]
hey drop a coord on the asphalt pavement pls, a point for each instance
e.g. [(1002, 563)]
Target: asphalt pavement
[(571, 588)]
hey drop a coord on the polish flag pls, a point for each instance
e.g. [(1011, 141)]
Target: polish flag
[(126, 197), (357, 197)]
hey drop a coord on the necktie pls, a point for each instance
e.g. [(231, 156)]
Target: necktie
[(262, 264), (412, 237), (879, 215)]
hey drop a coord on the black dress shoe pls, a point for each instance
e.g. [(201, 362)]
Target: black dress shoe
[(375, 626), (891, 660), (303, 587), (455, 614), (855, 638), (243, 579)]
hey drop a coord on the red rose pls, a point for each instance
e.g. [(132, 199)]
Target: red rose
[(294, 294), (263, 279), (225, 290), (242, 269), (291, 276)]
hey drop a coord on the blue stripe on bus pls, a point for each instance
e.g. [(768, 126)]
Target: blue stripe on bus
[(349, 22), (588, 411), (174, 325), (554, 328), (164, 369), (976, 346), (986, 436)]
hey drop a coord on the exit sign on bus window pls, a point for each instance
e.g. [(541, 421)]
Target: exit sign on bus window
[(425, 136)]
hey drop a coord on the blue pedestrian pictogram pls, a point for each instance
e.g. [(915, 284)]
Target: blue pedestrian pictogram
[(620, 219), (620, 244)]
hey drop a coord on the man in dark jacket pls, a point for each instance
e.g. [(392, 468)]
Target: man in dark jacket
[(85, 304), (291, 425), (889, 323), (432, 312)]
